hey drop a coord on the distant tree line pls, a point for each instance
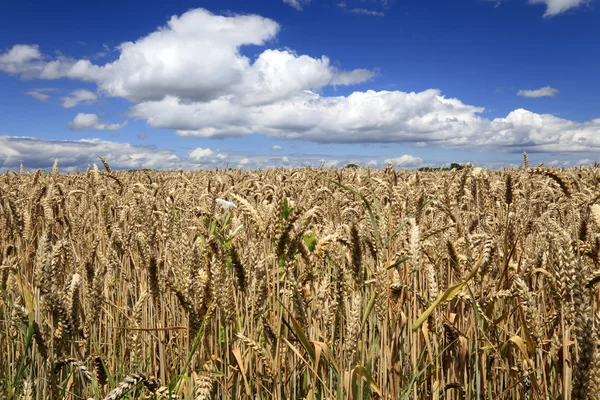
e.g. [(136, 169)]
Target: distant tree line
[(455, 166)]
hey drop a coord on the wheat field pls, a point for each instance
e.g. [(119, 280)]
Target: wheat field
[(300, 284)]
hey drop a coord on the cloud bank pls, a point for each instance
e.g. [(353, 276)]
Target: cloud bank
[(76, 155), (91, 121)]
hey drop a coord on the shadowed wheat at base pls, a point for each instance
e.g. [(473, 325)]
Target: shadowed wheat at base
[(300, 284)]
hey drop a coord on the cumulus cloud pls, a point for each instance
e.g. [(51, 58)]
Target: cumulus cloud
[(555, 7), (20, 54), (546, 91), (276, 147), (278, 74), (152, 67), (91, 121), (360, 117), (200, 155), (20, 59), (544, 133), (427, 118), (405, 161), (297, 4), (28, 62), (79, 96)]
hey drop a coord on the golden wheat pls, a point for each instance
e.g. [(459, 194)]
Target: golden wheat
[(322, 283)]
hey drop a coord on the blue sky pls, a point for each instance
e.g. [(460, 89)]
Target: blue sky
[(201, 84)]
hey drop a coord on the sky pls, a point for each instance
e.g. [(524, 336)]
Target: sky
[(257, 84)]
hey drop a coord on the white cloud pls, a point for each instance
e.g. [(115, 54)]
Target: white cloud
[(542, 92), (347, 78), (360, 117), (20, 54), (555, 7), (276, 147), (277, 74), (200, 153), (76, 155), (405, 161), (204, 49), (365, 11), (285, 160), (153, 66), (79, 96), (427, 118), (91, 121), (28, 62), (38, 95), (84, 121), (297, 4), (200, 46)]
